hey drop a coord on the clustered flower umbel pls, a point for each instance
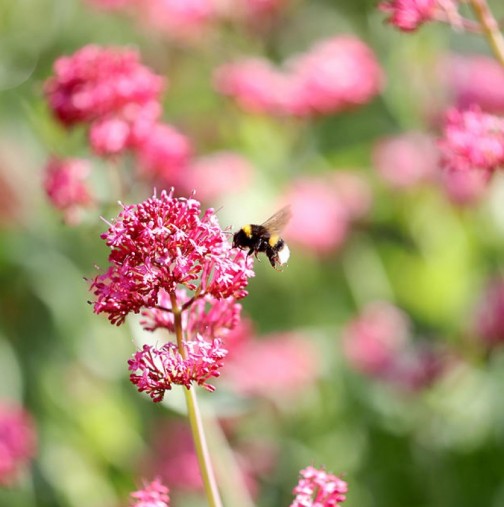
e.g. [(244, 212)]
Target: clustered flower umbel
[(318, 488), (166, 258), (334, 75), (153, 494)]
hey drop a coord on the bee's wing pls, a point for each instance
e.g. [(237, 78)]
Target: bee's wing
[(279, 220)]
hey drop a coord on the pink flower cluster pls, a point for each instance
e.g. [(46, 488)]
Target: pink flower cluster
[(17, 441), (318, 488), (65, 185), (153, 494), (378, 343), (161, 368), (324, 209), (408, 15), (118, 98), (334, 75), (471, 140), (163, 243), (489, 317)]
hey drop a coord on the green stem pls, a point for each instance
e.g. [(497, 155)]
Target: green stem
[(195, 420), (490, 27)]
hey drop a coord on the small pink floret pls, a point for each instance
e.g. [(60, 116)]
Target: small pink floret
[(408, 15), (153, 494)]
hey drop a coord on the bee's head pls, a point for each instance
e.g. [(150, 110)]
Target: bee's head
[(240, 238)]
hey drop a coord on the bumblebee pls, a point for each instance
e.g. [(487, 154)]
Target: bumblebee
[(266, 238)]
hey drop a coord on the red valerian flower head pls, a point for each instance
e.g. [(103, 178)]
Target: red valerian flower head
[(472, 140), (153, 494), (317, 488), (408, 15), (161, 244), (65, 185), (95, 82), (160, 369), (17, 441)]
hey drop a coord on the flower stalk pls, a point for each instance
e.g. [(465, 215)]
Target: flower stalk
[(194, 415), (490, 28)]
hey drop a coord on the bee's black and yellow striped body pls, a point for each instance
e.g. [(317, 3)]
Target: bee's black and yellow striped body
[(265, 238)]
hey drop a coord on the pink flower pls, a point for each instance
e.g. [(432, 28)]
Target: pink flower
[(213, 176), (278, 365), (465, 187), (320, 220), (489, 315), (161, 244), (153, 494), (372, 341), (487, 91), (472, 140), (318, 488), (65, 185), (95, 82), (334, 75), (159, 369), (406, 160), (408, 15), (206, 316), (17, 441), (163, 154)]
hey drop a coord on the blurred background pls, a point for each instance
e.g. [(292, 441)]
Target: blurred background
[(376, 353)]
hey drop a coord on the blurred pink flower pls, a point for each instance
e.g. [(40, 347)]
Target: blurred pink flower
[(489, 315), (17, 441), (173, 456), (161, 368), (373, 339), (407, 160), (163, 155), (320, 220), (276, 365), (335, 74), (408, 15), (472, 140), (95, 82), (153, 494), (161, 244), (465, 187), (65, 185), (486, 91), (318, 488), (213, 176)]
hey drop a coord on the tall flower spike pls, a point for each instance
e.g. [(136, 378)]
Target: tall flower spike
[(161, 244), (317, 488)]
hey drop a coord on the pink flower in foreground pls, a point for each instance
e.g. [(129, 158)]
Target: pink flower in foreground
[(408, 15), (153, 494), (334, 75), (95, 82), (372, 341), (17, 441), (160, 369), (161, 244), (489, 315), (65, 185), (472, 140), (318, 488), (465, 187), (320, 221), (406, 160), (487, 91), (213, 176), (276, 365)]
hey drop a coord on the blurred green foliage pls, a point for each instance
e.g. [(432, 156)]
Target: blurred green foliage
[(441, 447)]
